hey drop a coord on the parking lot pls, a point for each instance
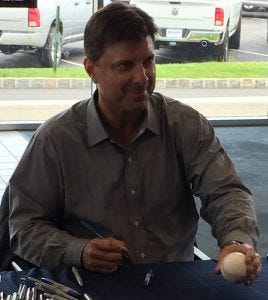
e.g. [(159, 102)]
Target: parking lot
[(254, 47)]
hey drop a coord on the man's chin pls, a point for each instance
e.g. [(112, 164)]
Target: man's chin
[(138, 104), (141, 100)]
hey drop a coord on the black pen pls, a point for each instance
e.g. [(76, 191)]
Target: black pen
[(90, 228)]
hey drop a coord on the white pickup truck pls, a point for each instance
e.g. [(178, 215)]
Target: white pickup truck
[(34, 29), (213, 24)]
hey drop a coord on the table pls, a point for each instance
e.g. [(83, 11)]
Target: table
[(184, 281)]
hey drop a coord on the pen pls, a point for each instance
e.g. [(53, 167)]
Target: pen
[(22, 291), (54, 296), (90, 228), (62, 287), (77, 276), (34, 293), (49, 288), (147, 278), (29, 293), (19, 289), (87, 297), (14, 296), (15, 266)]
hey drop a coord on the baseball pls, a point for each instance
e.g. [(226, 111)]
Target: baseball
[(233, 267)]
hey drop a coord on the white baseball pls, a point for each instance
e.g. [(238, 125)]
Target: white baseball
[(233, 267)]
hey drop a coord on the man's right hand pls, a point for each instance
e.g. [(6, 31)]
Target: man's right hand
[(103, 255)]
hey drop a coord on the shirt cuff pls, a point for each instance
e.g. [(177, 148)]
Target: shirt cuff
[(239, 236), (74, 251)]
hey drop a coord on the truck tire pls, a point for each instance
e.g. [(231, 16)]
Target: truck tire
[(221, 51), (47, 53), (234, 42)]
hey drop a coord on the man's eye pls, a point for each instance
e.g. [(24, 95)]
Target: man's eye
[(148, 62), (124, 66)]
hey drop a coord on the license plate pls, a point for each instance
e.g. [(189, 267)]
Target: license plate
[(174, 33)]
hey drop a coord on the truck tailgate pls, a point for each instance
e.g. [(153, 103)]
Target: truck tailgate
[(13, 19), (188, 14)]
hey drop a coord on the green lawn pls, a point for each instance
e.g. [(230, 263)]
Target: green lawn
[(186, 70), (214, 70)]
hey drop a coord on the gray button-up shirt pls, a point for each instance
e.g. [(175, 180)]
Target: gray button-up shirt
[(141, 193)]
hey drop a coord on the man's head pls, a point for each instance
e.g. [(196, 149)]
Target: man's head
[(119, 47), (115, 23)]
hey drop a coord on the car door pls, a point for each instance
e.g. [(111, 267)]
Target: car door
[(83, 9)]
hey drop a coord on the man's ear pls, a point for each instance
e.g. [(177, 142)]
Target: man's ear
[(89, 67)]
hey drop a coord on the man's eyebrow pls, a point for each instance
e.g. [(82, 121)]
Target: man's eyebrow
[(129, 61), (121, 61)]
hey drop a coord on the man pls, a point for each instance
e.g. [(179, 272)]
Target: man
[(116, 174)]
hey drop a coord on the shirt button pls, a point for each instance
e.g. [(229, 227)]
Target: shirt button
[(136, 223), (133, 192), (143, 255), (129, 159)]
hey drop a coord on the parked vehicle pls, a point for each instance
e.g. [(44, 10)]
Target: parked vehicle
[(34, 29), (254, 5), (211, 24)]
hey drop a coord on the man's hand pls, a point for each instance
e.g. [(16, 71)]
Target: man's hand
[(103, 255), (253, 260)]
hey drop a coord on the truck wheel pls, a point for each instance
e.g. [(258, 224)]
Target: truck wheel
[(221, 51), (235, 38), (48, 52)]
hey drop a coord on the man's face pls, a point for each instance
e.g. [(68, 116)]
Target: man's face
[(125, 75)]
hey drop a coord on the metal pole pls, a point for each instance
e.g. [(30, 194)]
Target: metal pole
[(56, 40)]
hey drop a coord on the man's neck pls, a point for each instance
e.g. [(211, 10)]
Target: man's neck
[(122, 127)]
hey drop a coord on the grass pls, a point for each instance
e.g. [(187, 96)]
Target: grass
[(186, 70), (43, 72), (214, 70)]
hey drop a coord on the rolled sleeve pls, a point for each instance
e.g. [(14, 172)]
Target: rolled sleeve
[(74, 251), (237, 235)]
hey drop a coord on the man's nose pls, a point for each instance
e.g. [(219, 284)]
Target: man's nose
[(140, 75)]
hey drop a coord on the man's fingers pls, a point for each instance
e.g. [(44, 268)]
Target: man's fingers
[(103, 255), (252, 260), (102, 266), (112, 244)]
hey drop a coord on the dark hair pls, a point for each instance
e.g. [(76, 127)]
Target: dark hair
[(114, 23)]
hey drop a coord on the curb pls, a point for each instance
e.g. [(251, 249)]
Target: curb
[(182, 83)]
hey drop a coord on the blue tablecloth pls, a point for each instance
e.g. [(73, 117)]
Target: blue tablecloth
[(184, 281)]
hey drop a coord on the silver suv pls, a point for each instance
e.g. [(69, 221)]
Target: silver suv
[(34, 29)]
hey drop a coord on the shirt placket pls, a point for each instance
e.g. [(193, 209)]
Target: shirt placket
[(134, 204)]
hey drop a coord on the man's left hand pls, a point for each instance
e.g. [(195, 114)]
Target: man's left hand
[(253, 260)]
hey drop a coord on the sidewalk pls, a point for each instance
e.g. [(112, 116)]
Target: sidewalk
[(78, 83), (24, 110), (37, 105)]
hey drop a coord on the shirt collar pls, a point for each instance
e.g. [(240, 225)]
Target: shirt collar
[(96, 131)]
